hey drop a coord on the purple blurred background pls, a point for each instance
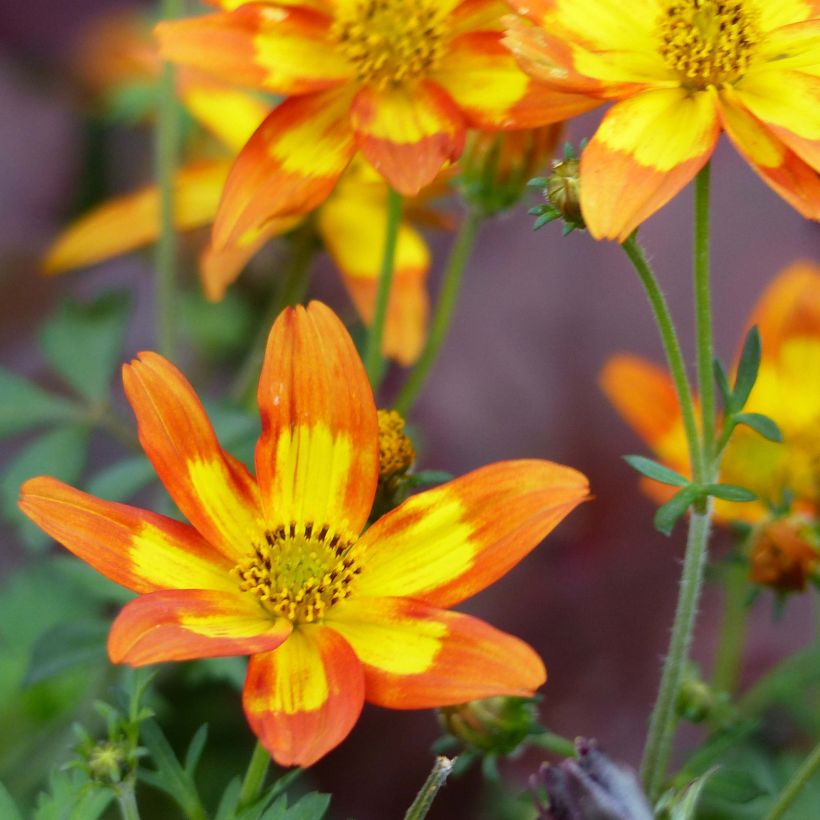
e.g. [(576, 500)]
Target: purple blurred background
[(538, 317)]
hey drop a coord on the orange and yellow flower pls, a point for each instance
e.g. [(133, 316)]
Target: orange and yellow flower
[(397, 80), (787, 390), (276, 565), (681, 71), (351, 223)]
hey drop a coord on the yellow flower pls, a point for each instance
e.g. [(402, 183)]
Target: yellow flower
[(787, 390), (681, 71)]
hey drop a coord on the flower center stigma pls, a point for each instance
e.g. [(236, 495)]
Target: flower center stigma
[(708, 42), (390, 42), (299, 571)]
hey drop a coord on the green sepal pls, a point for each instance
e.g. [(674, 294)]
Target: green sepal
[(657, 472), (668, 514), (747, 370), (763, 425), (728, 492)]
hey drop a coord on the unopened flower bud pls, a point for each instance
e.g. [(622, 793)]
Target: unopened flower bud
[(590, 787), (785, 554), (492, 726), (496, 166), (106, 761), (562, 192)]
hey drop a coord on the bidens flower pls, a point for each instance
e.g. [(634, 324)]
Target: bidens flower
[(787, 390), (398, 80), (681, 71), (276, 565)]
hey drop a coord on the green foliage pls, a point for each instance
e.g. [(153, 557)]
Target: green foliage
[(26, 406), (668, 514), (657, 472)]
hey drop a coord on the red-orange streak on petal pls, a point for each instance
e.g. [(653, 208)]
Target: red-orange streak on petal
[(317, 667), (317, 458), (259, 45), (181, 625), (212, 489), (288, 167), (407, 134), (138, 549), (643, 394), (446, 544), (473, 660)]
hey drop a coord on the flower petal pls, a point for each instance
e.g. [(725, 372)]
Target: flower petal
[(647, 148), (407, 134), (779, 166), (419, 657), (353, 226), (183, 624), (214, 491), (303, 699), (288, 167), (138, 549), (286, 49), (644, 395), (130, 222), (448, 543), (317, 460), (483, 78)]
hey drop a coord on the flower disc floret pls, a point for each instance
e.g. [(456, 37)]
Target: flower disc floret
[(391, 42), (300, 572), (708, 42)]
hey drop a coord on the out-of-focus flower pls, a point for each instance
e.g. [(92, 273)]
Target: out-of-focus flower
[(496, 167), (787, 390), (276, 566), (351, 223), (785, 553), (398, 80), (591, 787), (681, 71)]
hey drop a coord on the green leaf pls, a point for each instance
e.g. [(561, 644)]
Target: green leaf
[(122, 480), (729, 492), (195, 749), (682, 806), (747, 369), (26, 406), (60, 453), (761, 424), (667, 515), (8, 808), (312, 806), (428, 478), (66, 645), (83, 343), (220, 331), (657, 472), (723, 384), (735, 786)]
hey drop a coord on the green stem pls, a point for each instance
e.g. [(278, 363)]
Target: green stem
[(127, 801), (703, 322), (435, 780), (663, 721), (373, 346), (809, 768), (439, 327), (671, 347), (291, 291), (254, 777), (732, 637), (560, 746), (167, 150)]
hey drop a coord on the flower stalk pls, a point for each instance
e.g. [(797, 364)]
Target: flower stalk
[(435, 780), (809, 768), (254, 776)]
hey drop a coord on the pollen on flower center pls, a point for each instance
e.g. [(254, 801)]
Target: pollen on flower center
[(390, 42), (299, 572), (708, 42)]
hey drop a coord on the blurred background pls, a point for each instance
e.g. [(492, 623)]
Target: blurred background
[(538, 317)]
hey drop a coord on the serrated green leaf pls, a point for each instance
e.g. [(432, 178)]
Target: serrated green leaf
[(83, 343), (762, 425), (8, 808), (26, 406), (668, 514), (652, 469), (60, 453), (723, 384), (747, 369), (729, 492), (122, 480), (66, 645)]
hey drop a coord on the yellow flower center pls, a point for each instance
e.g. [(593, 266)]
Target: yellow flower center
[(390, 42), (396, 453), (299, 572), (708, 42)]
